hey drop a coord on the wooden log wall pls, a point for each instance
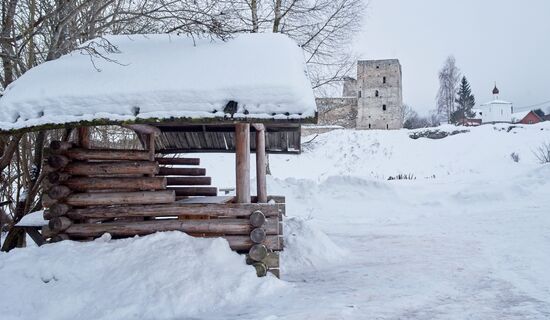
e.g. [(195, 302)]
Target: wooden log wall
[(132, 192)]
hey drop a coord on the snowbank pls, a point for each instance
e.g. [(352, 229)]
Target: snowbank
[(163, 76), (307, 248), (162, 276)]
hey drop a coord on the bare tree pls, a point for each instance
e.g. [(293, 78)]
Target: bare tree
[(543, 153), (37, 31), (449, 77), (323, 28)]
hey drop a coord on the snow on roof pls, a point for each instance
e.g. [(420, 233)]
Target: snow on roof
[(164, 76), (496, 101)]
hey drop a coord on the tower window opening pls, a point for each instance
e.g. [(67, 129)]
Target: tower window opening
[(376, 93), (387, 126), (383, 79), (383, 107), (359, 94)]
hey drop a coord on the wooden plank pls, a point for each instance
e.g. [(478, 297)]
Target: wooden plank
[(119, 198), (106, 154), (194, 191), (242, 170), (176, 209), (108, 168), (35, 235), (189, 181), (216, 199), (183, 161), (165, 171)]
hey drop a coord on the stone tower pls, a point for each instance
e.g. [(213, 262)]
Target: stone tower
[(379, 94)]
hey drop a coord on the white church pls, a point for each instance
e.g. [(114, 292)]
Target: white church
[(496, 110)]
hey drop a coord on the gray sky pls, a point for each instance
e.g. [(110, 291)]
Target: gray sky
[(507, 41)]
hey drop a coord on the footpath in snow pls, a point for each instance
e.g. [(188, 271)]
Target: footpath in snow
[(467, 238)]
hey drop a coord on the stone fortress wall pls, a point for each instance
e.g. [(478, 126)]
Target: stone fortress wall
[(372, 101)]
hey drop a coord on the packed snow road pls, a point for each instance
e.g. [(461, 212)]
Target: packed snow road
[(469, 249), (467, 238)]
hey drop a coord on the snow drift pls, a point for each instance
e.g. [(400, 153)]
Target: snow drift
[(162, 276)]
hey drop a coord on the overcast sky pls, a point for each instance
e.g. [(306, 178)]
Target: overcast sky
[(507, 41)]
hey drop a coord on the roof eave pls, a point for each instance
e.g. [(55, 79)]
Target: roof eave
[(165, 121)]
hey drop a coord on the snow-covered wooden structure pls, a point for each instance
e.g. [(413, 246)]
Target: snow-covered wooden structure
[(179, 95)]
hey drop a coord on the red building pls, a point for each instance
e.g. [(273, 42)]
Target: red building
[(530, 118)]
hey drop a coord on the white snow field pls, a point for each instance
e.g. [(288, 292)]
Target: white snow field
[(469, 238)]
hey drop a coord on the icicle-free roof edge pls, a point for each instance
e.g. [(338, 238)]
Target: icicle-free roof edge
[(162, 78)]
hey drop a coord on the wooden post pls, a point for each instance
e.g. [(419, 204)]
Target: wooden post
[(242, 161), (151, 147), (260, 163), (84, 137)]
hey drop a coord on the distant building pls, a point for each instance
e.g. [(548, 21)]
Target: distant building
[(527, 117), (373, 100), (496, 110), (379, 94)]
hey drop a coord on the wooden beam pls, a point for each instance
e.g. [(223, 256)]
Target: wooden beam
[(106, 154), (151, 147), (127, 228), (108, 168), (261, 185), (242, 161), (143, 128), (119, 198), (272, 211), (126, 183), (165, 171), (35, 235), (231, 150), (194, 191)]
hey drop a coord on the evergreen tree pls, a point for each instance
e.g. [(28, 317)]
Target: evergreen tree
[(465, 102)]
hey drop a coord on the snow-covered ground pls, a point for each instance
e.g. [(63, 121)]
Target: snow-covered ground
[(468, 238)]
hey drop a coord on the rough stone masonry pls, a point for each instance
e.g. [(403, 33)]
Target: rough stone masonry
[(372, 101)]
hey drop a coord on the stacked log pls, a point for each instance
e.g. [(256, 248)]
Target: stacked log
[(99, 178), (185, 181), (125, 193)]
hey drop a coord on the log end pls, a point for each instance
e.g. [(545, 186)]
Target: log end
[(257, 219)]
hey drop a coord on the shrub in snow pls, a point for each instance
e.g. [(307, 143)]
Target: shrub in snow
[(401, 176), (543, 153), (514, 156)]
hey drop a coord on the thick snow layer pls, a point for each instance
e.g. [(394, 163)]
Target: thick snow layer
[(467, 239), (163, 76), (163, 276), (33, 219)]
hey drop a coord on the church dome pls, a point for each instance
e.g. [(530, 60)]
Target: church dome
[(495, 90)]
